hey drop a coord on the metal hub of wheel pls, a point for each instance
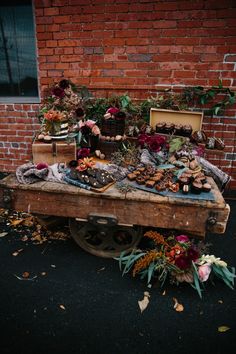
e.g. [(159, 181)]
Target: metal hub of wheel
[(104, 241)]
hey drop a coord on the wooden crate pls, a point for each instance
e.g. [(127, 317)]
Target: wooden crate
[(56, 151), (176, 117)]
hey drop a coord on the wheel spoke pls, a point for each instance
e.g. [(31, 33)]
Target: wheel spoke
[(104, 241)]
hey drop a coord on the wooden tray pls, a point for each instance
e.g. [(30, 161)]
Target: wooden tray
[(176, 117)]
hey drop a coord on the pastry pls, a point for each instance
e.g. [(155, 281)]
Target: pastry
[(196, 187), (140, 180), (150, 184), (160, 127), (206, 187), (131, 176)]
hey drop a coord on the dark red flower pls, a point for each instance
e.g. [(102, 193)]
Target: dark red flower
[(58, 92), (83, 152), (154, 145), (142, 139), (193, 254), (41, 165), (113, 110), (64, 84), (183, 262)]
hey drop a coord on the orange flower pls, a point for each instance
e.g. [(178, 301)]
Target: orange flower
[(174, 253), (85, 163), (156, 237), (144, 262), (54, 116)]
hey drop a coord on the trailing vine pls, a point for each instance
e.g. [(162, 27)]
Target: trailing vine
[(201, 96)]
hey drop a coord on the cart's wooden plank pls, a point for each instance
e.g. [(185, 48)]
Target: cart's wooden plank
[(133, 208)]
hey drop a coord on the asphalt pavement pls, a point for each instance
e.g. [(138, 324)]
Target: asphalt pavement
[(57, 298)]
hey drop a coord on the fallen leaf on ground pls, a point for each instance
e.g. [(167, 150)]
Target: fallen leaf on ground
[(220, 301), (22, 278), (53, 266), (62, 307), (2, 234), (24, 238), (101, 269), (25, 275), (144, 303), (178, 307), (43, 273), (16, 222), (223, 329), (164, 292), (17, 252), (29, 221)]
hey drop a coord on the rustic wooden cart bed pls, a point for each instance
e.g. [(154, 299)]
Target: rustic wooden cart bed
[(101, 223)]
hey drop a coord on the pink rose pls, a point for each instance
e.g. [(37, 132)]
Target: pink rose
[(182, 238), (95, 130), (90, 123), (204, 272)]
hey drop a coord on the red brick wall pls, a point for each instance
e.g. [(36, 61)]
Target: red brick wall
[(134, 46)]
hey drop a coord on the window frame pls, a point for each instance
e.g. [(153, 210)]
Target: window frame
[(27, 99)]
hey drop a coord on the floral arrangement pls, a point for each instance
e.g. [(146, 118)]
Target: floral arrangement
[(114, 113), (85, 163), (179, 258), (59, 104), (155, 143)]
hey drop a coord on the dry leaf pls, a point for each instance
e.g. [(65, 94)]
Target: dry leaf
[(16, 222), (223, 329), (53, 266), (24, 238), (28, 221), (144, 303), (178, 307), (100, 270), (220, 301), (62, 307), (25, 275), (2, 234), (164, 292), (17, 252), (43, 273)]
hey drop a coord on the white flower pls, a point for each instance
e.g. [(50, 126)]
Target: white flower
[(211, 259)]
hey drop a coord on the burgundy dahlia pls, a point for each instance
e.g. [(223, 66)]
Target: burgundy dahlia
[(58, 92), (183, 262)]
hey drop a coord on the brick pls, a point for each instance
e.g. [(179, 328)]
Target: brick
[(61, 19), (126, 34), (140, 57), (51, 11), (68, 43), (112, 73)]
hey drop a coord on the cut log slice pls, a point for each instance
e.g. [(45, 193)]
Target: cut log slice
[(102, 241)]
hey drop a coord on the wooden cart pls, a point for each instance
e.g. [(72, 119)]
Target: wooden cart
[(108, 223)]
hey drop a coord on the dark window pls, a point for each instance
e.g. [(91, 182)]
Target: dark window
[(18, 69)]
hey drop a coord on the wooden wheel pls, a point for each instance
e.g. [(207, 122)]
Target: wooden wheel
[(104, 241)]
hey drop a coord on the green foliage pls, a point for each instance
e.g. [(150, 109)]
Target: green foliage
[(201, 96)]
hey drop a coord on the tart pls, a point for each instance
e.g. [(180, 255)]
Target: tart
[(140, 180), (131, 176), (160, 127), (150, 183), (206, 187), (196, 187)]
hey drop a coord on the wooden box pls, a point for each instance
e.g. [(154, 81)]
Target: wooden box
[(56, 151), (176, 117)]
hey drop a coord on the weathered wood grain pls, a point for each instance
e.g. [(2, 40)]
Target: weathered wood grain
[(133, 208)]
